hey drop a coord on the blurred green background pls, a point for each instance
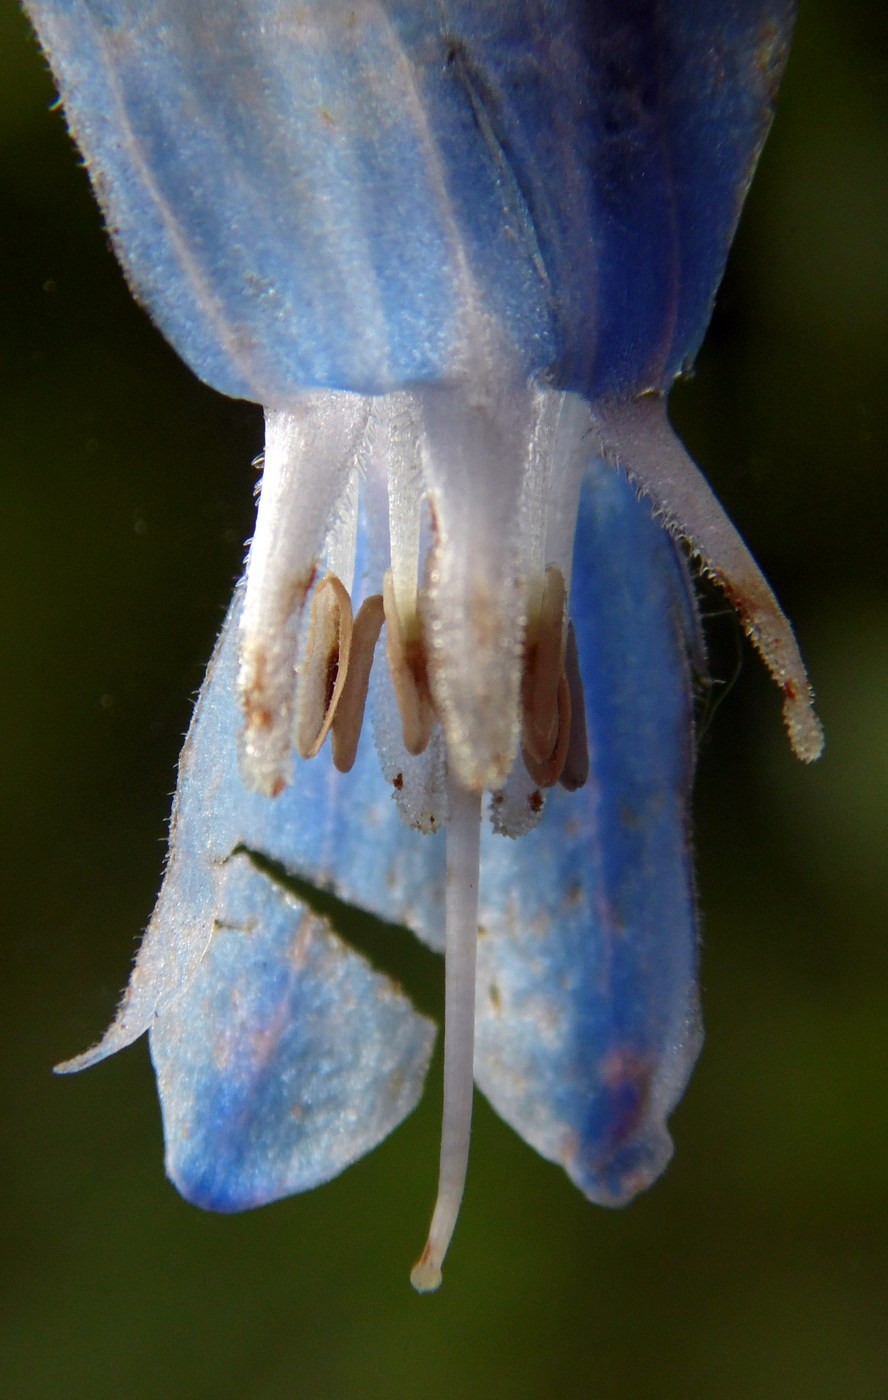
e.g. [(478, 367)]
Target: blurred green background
[(758, 1267)]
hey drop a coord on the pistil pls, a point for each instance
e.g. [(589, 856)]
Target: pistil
[(461, 943)]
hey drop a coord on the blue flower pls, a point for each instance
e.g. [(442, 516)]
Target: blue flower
[(459, 251)]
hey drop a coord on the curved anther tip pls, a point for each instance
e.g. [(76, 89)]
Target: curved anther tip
[(426, 1275)]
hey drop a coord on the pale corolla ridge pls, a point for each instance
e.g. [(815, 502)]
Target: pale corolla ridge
[(459, 250)]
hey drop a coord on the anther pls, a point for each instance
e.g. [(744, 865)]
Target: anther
[(575, 773), (547, 773), (543, 669), (325, 664), (349, 716)]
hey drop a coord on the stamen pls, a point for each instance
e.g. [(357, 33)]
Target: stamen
[(543, 668), (349, 716), (325, 664), (405, 648), (474, 598), (461, 945), (309, 453), (575, 773)]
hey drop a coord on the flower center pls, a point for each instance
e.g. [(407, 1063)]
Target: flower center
[(334, 679)]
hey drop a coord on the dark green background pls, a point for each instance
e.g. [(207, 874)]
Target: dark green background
[(757, 1267)]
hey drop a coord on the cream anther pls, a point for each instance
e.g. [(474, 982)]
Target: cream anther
[(349, 716), (406, 652), (325, 664)]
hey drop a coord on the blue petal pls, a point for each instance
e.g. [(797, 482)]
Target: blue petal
[(281, 1055), (285, 1059), (328, 194), (587, 1019), (339, 831)]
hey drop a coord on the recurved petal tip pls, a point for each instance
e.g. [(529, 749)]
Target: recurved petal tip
[(76, 1064), (805, 731)]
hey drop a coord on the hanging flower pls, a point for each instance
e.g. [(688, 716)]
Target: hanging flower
[(459, 252)]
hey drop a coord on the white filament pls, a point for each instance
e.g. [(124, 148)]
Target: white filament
[(570, 450), (340, 550), (537, 481), (399, 438), (461, 945)]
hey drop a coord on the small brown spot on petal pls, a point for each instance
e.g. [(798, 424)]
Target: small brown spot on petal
[(626, 1076)]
